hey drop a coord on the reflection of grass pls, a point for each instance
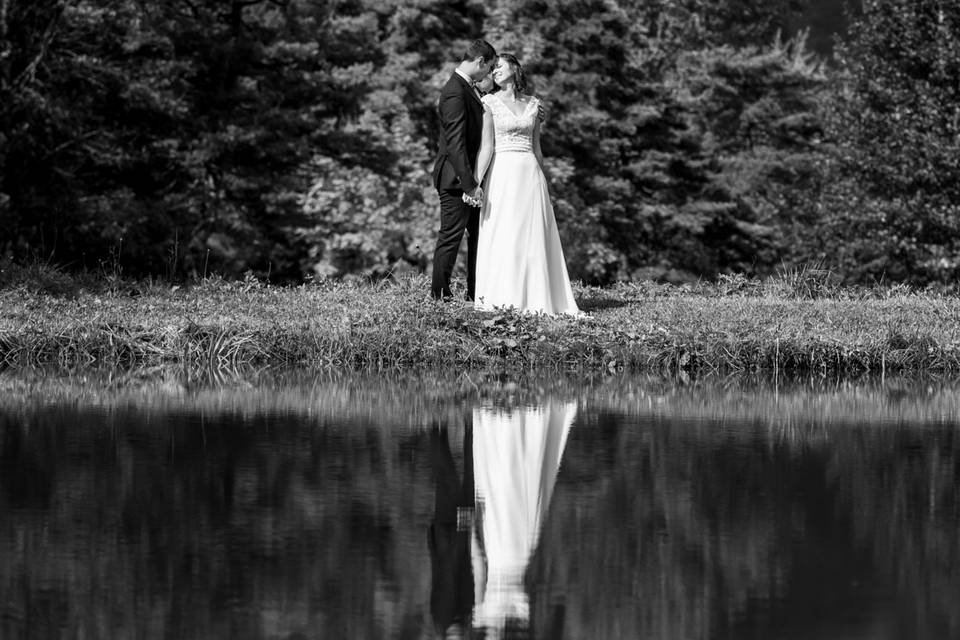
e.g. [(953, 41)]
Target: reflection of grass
[(735, 326), (794, 410)]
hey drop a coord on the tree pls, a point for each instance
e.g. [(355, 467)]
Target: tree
[(759, 114), (373, 218), (27, 33), (894, 196), (175, 138)]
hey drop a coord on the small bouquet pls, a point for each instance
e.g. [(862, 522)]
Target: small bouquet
[(474, 202)]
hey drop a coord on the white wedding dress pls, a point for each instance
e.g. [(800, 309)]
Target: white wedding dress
[(520, 261), (516, 457)]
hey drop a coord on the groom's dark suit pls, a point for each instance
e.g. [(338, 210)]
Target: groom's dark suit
[(461, 127)]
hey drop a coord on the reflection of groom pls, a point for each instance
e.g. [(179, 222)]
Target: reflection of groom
[(452, 589), (461, 126)]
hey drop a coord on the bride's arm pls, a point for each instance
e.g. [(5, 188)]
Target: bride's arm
[(486, 145), (536, 144)]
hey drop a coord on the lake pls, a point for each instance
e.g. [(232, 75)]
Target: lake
[(158, 504)]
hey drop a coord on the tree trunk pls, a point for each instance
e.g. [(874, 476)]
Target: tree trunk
[(4, 46), (236, 18)]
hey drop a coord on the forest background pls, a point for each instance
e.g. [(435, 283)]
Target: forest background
[(293, 139)]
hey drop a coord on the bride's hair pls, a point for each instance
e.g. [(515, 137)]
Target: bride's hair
[(519, 77)]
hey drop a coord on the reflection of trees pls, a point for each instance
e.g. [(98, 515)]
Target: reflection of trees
[(674, 537), (712, 533), (195, 527), (907, 504)]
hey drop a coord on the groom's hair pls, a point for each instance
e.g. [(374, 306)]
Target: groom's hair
[(479, 48)]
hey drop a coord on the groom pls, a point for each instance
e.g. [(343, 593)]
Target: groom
[(461, 125)]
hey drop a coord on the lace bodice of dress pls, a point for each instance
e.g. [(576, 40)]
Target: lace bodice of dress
[(512, 132)]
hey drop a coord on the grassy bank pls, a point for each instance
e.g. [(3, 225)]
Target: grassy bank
[(789, 325)]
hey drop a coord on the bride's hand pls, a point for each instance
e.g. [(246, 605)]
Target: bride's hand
[(474, 198)]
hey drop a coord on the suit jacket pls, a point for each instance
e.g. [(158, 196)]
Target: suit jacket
[(461, 128)]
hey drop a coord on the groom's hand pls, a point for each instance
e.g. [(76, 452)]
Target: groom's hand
[(474, 197)]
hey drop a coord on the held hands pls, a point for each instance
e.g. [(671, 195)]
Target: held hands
[(473, 198)]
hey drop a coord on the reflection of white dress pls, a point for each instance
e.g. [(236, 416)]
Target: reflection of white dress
[(516, 458), (519, 258)]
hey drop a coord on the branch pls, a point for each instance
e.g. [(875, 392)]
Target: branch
[(250, 3), (28, 72), (70, 143), (4, 43)]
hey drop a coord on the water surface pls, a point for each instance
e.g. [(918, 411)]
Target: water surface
[(160, 506)]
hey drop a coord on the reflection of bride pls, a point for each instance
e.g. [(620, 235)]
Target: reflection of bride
[(516, 457)]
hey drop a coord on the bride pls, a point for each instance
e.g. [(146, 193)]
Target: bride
[(520, 260)]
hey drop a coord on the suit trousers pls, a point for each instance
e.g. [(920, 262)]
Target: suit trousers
[(456, 216)]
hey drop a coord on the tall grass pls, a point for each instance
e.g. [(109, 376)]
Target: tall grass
[(797, 322)]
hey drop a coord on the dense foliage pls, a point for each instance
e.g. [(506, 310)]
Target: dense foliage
[(180, 137), (294, 138), (893, 190)]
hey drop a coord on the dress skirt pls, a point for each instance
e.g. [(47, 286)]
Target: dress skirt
[(520, 261)]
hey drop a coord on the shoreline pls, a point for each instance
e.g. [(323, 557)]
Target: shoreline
[(755, 327)]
